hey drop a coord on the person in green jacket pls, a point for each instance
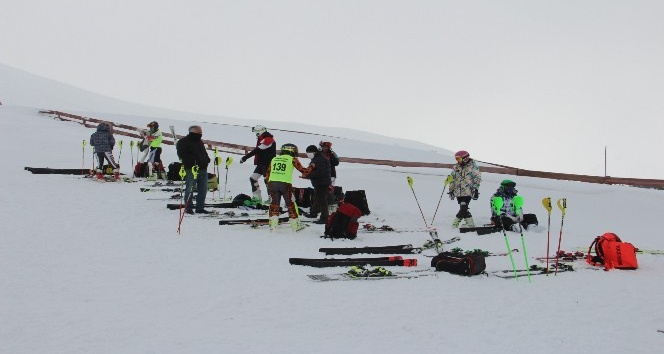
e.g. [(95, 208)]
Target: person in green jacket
[(280, 184), (155, 137)]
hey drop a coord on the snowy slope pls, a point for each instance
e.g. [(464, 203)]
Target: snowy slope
[(97, 268)]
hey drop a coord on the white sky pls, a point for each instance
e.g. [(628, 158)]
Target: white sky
[(534, 84)]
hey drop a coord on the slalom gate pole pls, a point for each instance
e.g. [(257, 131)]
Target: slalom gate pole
[(120, 157), (83, 163), (131, 151), (562, 205), (194, 171), (517, 204), (214, 168), (447, 181), (229, 161), (432, 232), (546, 202), (138, 149), (497, 205)]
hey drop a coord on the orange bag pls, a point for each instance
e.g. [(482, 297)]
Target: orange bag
[(612, 253)]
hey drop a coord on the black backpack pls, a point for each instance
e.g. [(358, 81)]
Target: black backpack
[(173, 173), (359, 199), (303, 196), (240, 199), (459, 263)]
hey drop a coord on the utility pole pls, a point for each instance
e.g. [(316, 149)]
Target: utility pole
[(604, 160)]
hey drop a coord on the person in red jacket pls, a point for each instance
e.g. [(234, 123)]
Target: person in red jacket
[(265, 150)]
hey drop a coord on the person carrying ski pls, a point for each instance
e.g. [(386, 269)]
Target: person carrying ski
[(154, 137), (321, 180), (191, 150), (330, 155), (465, 186), (511, 218), (103, 142), (279, 175), (264, 152)]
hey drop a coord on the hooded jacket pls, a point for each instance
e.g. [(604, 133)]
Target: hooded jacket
[(102, 139)]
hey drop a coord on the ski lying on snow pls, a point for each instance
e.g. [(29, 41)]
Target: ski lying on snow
[(637, 250), (346, 276), (396, 249), (332, 262), (57, 171), (161, 190), (257, 221), (481, 230)]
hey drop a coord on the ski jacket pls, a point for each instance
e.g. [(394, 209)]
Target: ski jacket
[(467, 178), (507, 208), (192, 152), (320, 174), (155, 138), (334, 161), (102, 139), (265, 150)]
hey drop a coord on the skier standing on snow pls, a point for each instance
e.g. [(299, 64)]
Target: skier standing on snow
[(103, 142), (321, 180), (464, 186), (279, 175), (154, 137), (330, 155), (191, 150), (264, 152), (509, 215)]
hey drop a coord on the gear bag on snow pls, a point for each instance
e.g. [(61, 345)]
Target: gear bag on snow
[(173, 173), (612, 253), (458, 263), (240, 199), (141, 170), (358, 199), (343, 222), (303, 196)]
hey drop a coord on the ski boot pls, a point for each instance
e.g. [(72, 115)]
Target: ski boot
[(380, 272), (100, 175), (296, 225), (456, 222), (358, 272), (469, 222), (274, 222)]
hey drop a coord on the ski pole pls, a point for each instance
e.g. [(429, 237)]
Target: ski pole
[(131, 150), (83, 163), (517, 204), (120, 156), (497, 205), (562, 205), (432, 232), (546, 202), (229, 161), (447, 181), (216, 164), (138, 149), (194, 172)]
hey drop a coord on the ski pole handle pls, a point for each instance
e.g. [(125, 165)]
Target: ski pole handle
[(497, 204), (562, 205), (546, 202), (229, 161), (448, 180), (517, 204), (183, 172), (194, 170), (410, 181), (83, 144)]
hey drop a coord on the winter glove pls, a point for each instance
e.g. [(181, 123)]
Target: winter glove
[(476, 194), (243, 159), (451, 194)]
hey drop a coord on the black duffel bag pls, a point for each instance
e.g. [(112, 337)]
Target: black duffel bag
[(458, 263)]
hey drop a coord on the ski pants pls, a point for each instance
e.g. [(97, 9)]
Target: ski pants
[(278, 190), (154, 155), (320, 204), (108, 156), (259, 172), (464, 210), (200, 184)]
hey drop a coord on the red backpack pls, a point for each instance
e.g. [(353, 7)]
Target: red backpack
[(343, 222), (612, 253)]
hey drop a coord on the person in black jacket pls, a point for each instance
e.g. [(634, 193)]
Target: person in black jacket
[(326, 150), (321, 180), (264, 152), (191, 150)]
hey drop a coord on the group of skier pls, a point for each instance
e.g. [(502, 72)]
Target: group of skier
[(277, 173)]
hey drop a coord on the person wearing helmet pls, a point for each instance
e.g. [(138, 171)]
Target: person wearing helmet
[(154, 138), (103, 142), (264, 152), (465, 185), (511, 218), (330, 155), (279, 175), (321, 180)]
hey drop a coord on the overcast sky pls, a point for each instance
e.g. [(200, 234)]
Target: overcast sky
[(542, 85)]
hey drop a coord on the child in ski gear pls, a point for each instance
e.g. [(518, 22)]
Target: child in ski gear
[(465, 186), (321, 179), (279, 175), (103, 142), (330, 155), (191, 150), (264, 152), (511, 218), (154, 137)]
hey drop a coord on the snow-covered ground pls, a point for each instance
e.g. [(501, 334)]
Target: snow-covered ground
[(93, 267)]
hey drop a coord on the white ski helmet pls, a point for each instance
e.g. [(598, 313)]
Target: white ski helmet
[(259, 129)]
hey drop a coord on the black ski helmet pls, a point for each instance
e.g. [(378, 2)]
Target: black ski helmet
[(312, 148), (289, 149), (154, 125)]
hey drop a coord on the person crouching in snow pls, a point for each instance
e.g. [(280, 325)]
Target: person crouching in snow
[(279, 175), (511, 218)]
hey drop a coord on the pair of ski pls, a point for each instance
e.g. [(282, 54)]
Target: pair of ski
[(349, 262), (395, 275), (161, 190), (481, 230)]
